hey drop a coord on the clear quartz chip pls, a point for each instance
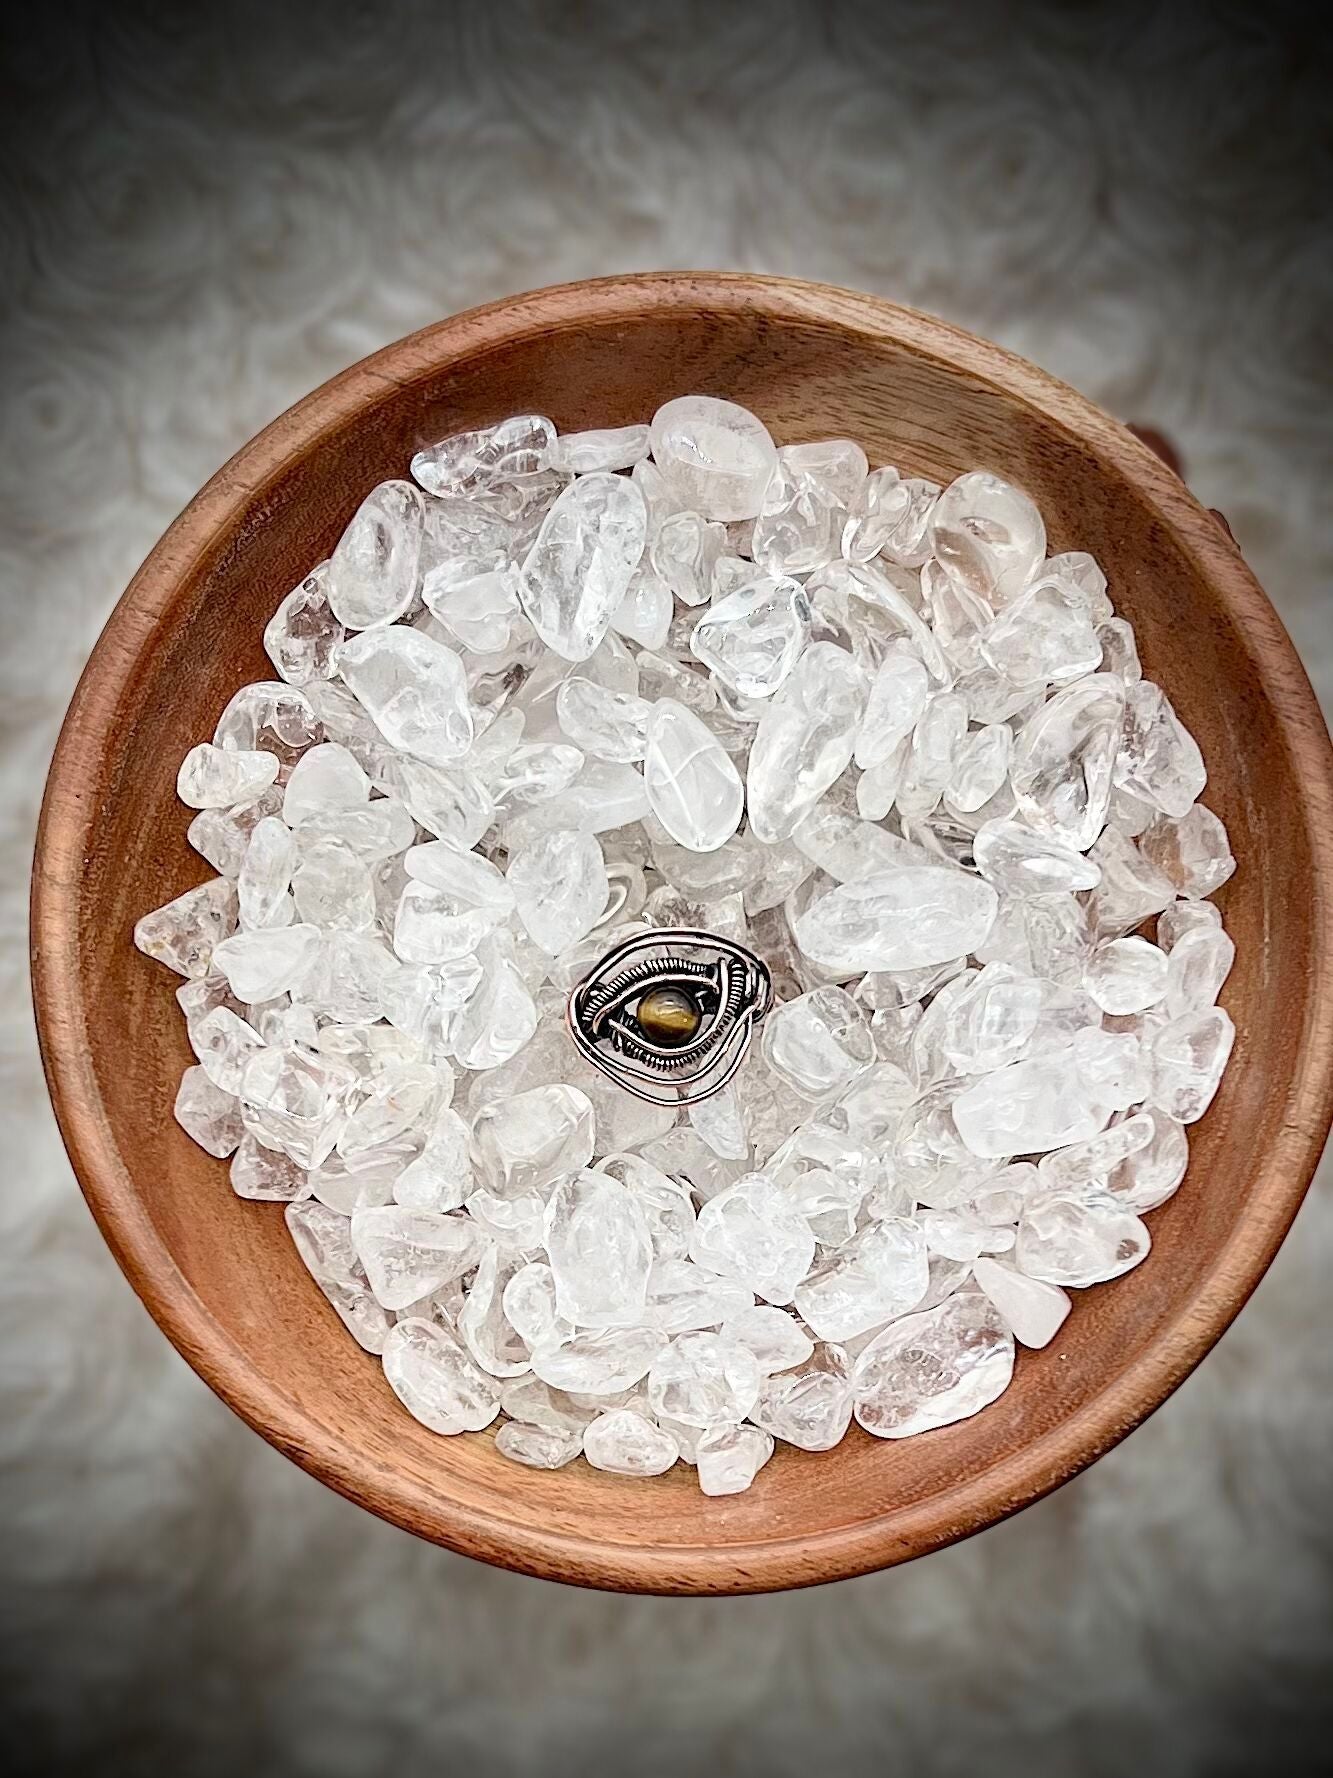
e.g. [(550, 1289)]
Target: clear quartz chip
[(988, 535), (730, 1457), (413, 688), (373, 571), (265, 875), (1033, 1311), (934, 1368), (604, 724), (536, 1446), (1126, 975), (901, 918), (752, 636), (600, 1250), (1063, 757), (776, 1337), (1188, 1057), (327, 780), (296, 1101), (604, 1358), (1191, 852), (627, 1443), (474, 462), (185, 932), (804, 740), (559, 885), (615, 447), (810, 1405), (715, 457), (522, 1143), (221, 777), (819, 1043), (436, 1380), (303, 634), (704, 1380), (579, 567), (693, 788), (409, 1254), (207, 1114), (748, 1232), (268, 961), (1075, 1241), (1159, 760)]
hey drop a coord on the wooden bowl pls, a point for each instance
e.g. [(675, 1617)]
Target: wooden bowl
[(221, 1276)]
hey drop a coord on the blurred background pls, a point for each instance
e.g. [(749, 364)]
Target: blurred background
[(206, 212)]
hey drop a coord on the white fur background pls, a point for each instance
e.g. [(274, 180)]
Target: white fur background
[(203, 218)]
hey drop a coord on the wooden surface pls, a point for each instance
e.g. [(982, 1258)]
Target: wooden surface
[(221, 1276)]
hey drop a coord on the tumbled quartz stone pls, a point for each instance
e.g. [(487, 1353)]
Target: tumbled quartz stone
[(776, 1338), (414, 689), (980, 767), (268, 961), (303, 633), (600, 1250), (810, 1405), (373, 570), (1197, 965), (664, 1201), (408, 1254), (1076, 1242), (296, 1101), (682, 1297), (1061, 771), (220, 777), (1044, 636), (1181, 917), (471, 462), (799, 525), (324, 781), (804, 740), (934, 1368), (644, 613), (269, 717), (266, 874), (748, 1232), (579, 566), (487, 1332), (606, 724), (496, 1020), (899, 919), (626, 1443), (684, 555), (607, 448), (882, 1273), (1148, 1176), (1030, 1106), (704, 1380), (719, 1119), (436, 1379), (560, 888), (1126, 975), (896, 698), (988, 535), (602, 1359), (1085, 1163), (480, 611), (715, 456), (693, 788), (1188, 1057), (526, 1141), (530, 1306), (1192, 852), (751, 637), (224, 1043), (207, 1114), (323, 1240), (1159, 760), (1033, 1311), (818, 1043), (265, 1175), (730, 1457), (184, 933), (536, 1446), (1018, 861)]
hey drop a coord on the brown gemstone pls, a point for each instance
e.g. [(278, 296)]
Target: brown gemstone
[(668, 1016)]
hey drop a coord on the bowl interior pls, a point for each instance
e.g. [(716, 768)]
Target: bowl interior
[(221, 1274)]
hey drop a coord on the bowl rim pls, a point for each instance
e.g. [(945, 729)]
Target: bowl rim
[(63, 840)]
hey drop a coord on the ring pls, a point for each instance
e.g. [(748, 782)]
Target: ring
[(669, 1015)]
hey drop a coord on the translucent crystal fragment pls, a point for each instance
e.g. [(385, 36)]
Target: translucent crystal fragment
[(1159, 760), (704, 1380), (882, 1273), (222, 835), (748, 1232), (899, 919), (804, 740), (894, 703), (730, 1457), (1030, 1106), (408, 1254), (600, 1250), (207, 1114), (525, 1141), (625, 1443), (496, 1020), (751, 637), (934, 1368), (436, 1379), (1198, 963), (327, 780), (988, 535), (530, 1306), (693, 788), (799, 525), (980, 767), (224, 1043), (579, 567), (265, 1175), (1149, 1175), (818, 1043), (1044, 636), (809, 1406), (373, 571), (323, 1240), (684, 555), (473, 462), (1033, 1311), (184, 933), (560, 887), (266, 874), (1188, 1057), (536, 1446), (607, 1358), (488, 1333), (1126, 975), (296, 1101), (218, 777), (605, 448), (605, 724), (1019, 861), (1192, 852), (480, 611), (1178, 918), (268, 961), (1061, 772), (303, 634), (775, 1337), (268, 717), (414, 690), (645, 611), (715, 457), (1075, 1242)]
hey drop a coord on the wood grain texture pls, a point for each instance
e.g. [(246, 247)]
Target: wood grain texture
[(220, 1275)]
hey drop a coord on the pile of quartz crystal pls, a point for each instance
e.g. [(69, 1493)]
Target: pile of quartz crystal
[(556, 691)]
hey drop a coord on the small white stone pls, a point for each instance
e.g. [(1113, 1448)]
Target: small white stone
[(536, 1446), (326, 780), (373, 571), (1030, 1106), (1198, 963), (804, 740), (523, 1142), (414, 690), (1159, 760), (224, 1043), (266, 1176), (207, 1114), (1033, 1311), (219, 778), (934, 1368), (775, 1337), (809, 1406), (818, 1043), (625, 1443), (599, 1249), (606, 724), (1061, 771), (408, 1254), (606, 1358), (693, 788), (752, 636), (1018, 861), (747, 1233), (1126, 975), (496, 1020), (988, 535), (715, 456), (615, 447), (473, 462), (1044, 636), (1188, 1057), (1191, 852), (1151, 1174), (560, 888), (898, 919), (730, 1457), (578, 569), (266, 875), (436, 1380), (296, 1101), (302, 635), (704, 1380)]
